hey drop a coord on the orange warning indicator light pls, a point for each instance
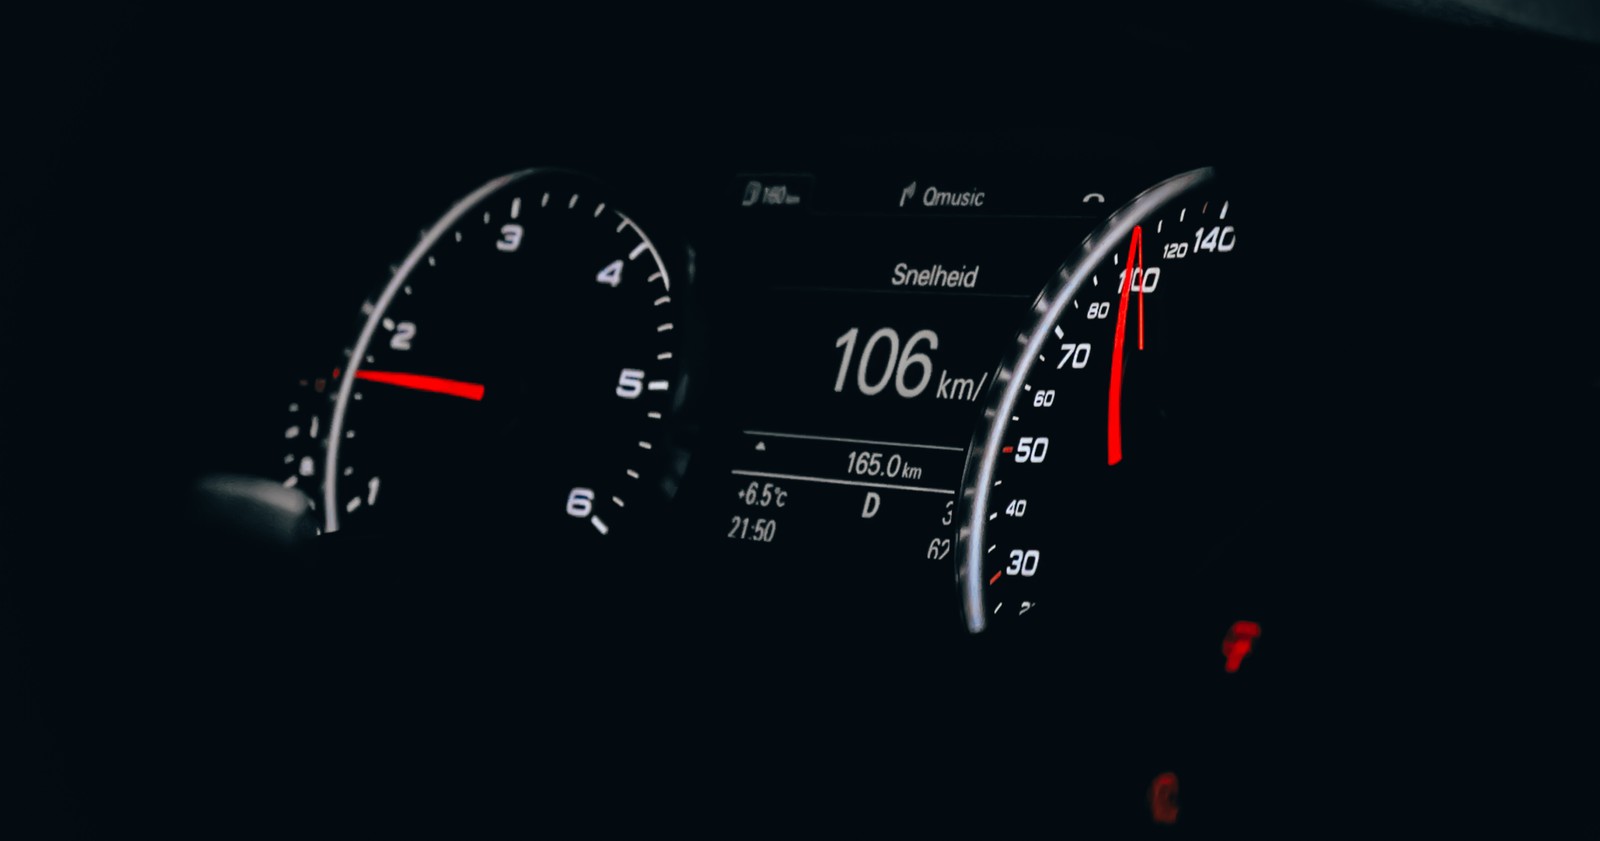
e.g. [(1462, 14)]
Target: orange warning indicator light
[(1236, 644)]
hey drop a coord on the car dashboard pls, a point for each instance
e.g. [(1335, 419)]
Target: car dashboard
[(1165, 432)]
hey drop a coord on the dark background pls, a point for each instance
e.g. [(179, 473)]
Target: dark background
[(194, 204)]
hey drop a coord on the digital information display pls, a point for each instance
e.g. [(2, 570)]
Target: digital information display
[(871, 328)]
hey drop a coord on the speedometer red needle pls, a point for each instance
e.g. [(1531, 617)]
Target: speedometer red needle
[(437, 385), (1131, 272)]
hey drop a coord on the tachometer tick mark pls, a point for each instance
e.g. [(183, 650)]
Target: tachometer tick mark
[(662, 328), (637, 250), (644, 445), (598, 208), (667, 354), (486, 217), (458, 236), (633, 474), (599, 525), (663, 299), (516, 206), (653, 415), (617, 500), (622, 224), (572, 202), (658, 385), (544, 201)]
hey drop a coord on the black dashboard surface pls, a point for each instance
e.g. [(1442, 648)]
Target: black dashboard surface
[(1412, 380)]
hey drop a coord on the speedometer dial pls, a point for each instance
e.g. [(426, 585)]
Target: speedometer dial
[(1065, 478), (518, 371)]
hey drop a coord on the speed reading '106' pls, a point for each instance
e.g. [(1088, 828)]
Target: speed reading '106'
[(878, 362), (1058, 474)]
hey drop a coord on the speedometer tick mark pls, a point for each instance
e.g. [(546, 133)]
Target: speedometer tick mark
[(545, 200), (598, 208), (664, 355), (1182, 213), (516, 206), (653, 278), (1158, 226), (1223, 213), (572, 202), (663, 299), (633, 474), (621, 225), (431, 262), (662, 328), (486, 217), (644, 445), (1203, 208), (653, 415), (637, 250), (458, 236)]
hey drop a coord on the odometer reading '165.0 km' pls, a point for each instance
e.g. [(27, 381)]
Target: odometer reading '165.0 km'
[(466, 405), (1062, 480)]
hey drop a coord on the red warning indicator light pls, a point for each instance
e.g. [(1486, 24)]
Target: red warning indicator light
[(1236, 644), (1163, 797)]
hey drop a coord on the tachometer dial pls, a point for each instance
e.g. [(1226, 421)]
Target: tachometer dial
[(1067, 477), (519, 370)]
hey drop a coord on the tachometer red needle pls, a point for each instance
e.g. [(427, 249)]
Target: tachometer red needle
[(437, 385), (1131, 272)]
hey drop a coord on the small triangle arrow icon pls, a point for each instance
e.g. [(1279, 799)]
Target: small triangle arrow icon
[(761, 446)]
